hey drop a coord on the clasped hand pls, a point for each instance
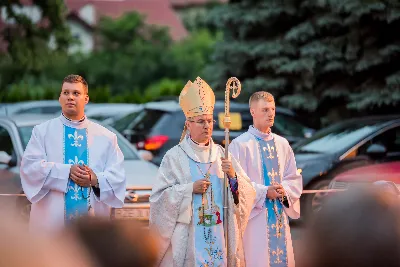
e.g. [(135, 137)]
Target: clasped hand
[(275, 191), (82, 175)]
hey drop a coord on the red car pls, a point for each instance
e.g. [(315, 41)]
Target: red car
[(388, 171)]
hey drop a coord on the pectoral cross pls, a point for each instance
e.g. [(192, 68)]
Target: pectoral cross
[(272, 175), (277, 253), (207, 176)]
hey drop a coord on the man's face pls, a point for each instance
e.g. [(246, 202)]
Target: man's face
[(263, 113), (200, 127), (73, 99)]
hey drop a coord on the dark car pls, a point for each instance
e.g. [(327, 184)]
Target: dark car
[(343, 146), (158, 126)]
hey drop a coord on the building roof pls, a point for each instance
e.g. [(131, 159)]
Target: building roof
[(189, 3), (157, 12)]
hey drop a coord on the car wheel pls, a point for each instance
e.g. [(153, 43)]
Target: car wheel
[(312, 203)]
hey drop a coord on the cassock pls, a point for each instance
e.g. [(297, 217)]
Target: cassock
[(191, 225), (268, 159), (53, 148)]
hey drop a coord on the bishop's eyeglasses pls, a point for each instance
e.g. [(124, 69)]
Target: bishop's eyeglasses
[(203, 122)]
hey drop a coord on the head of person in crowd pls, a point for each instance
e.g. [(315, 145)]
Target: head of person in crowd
[(358, 227), (116, 243), (19, 247)]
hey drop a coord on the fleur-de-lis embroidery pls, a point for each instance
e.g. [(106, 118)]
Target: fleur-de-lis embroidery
[(76, 161), (74, 215), (272, 175), (75, 188), (270, 150), (277, 227), (76, 138), (277, 253)]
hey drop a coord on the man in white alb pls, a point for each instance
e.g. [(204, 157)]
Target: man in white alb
[(71, 167)]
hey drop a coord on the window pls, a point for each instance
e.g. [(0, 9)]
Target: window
[(25, 133), (390, 139), (124, 122), (337, 137), (41, 110), (147, 119), (288, 126), (6, 144)]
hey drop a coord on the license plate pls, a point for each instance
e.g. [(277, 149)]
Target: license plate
[(131, 213)]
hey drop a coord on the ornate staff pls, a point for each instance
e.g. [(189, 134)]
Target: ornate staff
[(232, 84)]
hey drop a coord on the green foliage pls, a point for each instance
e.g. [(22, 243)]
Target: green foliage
[(311, 54), (135, 63), (28, 50), (135, 57)]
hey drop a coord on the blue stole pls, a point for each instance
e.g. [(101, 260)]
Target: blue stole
[(76, 152), (276, 229), (209, 240)]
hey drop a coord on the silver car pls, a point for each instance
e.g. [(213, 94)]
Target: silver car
[(15, 132)]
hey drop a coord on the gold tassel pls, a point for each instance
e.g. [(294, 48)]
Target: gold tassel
[(183, 133)]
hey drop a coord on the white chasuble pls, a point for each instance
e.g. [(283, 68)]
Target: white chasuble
[(53, 148), (190, 225)]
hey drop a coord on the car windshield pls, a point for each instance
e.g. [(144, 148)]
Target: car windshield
[(128, 151), (140, 121), (337, 137), (123, 123), (288, 125)]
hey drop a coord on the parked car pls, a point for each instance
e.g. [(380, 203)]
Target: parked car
[(15, 132), (341, 147), (158, 126), (35, 107), (107, 113), (388, 171), (50, 107)]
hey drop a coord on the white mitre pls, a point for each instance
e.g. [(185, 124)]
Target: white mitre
[(196, 99)]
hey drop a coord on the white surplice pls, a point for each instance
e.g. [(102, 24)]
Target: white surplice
[(171, 205), (44, 176), (245, 149)]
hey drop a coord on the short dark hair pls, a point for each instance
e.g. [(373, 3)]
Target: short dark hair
[(73, 78)]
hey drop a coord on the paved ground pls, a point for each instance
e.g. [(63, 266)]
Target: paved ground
[(297, 232)]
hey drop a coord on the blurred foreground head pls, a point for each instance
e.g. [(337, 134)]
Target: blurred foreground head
[(19, 248), (358, 228), (115, 243)]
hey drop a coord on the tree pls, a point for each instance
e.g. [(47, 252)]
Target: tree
[(132, 54), (135, 57), (325, 56), (28, 50)]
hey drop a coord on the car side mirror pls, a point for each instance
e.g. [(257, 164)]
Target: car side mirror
[(4, 158), (146, 155), (376, 151)]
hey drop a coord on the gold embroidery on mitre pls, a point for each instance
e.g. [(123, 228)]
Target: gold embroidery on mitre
[(197, 98)]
